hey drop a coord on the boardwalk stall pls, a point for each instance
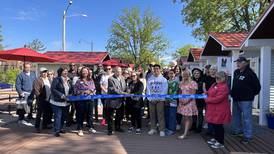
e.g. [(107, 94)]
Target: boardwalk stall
[(194, 58), (261, 40)]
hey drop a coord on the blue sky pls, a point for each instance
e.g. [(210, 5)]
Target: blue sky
[(24, 20)]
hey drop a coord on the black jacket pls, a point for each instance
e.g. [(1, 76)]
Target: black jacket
[(136, 88), (246, 85), (58, 90), (200, 82)]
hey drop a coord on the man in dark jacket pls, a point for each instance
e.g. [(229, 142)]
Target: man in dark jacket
[(116, 85), (245, 87)]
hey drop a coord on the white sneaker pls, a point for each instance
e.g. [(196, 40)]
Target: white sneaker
[(152, 131), (212, 141), (80, 133), (92, 130), (26, 123), (162, 134), (178, 127), (217, 145)]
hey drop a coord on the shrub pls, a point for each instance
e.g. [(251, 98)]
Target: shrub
[(10, 75)]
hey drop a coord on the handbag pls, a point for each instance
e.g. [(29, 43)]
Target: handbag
[(22, 103)]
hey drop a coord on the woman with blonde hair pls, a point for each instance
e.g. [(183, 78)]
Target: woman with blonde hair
[(187, 107)]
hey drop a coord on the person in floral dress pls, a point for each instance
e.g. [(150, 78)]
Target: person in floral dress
[(187, 107)]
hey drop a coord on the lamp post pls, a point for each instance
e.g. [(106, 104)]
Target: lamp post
[(64, 26)]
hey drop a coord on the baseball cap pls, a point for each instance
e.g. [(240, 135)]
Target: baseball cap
[(241, 59), (43, 69)]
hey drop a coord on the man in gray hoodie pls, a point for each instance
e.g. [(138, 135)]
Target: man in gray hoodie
[(157, 84)]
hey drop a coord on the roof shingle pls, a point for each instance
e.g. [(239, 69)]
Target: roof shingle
[(196, 53), (78, 57), (230, 40)]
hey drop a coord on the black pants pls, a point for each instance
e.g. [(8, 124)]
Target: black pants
[(219, 132), (118, 117), (146, 104), (43, 109), (127, 108), (84, 109), (179, 118), (104, 108), (136, 117), (95, 109), (198, 120), (71, 113), (21, 114), (30, 103)]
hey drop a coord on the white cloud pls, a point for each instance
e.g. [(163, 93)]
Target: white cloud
[(27, 15)]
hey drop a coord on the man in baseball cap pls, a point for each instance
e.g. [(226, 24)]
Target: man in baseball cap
[(245, 87), (241, 59)]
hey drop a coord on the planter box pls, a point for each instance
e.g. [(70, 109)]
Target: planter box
[(270, 120)]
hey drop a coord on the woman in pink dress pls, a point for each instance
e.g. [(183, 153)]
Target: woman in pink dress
[(187, 107)]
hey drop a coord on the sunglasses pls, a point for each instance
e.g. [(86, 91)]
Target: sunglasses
[(108, 68)]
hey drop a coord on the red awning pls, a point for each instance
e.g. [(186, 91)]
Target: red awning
[(25, 54)]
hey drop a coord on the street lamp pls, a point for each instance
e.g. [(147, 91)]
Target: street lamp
[(87, 42), (64, 26)]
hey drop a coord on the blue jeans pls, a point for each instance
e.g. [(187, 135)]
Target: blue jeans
[(60, 115), (242, 118), (170, 118)]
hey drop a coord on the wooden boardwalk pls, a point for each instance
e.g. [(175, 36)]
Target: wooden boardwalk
[(263, 142), (21, 139)]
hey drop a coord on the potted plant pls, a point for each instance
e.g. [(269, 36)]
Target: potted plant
[(270, 119)]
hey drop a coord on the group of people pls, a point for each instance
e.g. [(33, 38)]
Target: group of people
[(165, 114)]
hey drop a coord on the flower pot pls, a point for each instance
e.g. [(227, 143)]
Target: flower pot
[(270, 120)]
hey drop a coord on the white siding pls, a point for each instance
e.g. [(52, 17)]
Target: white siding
[(272, 81)]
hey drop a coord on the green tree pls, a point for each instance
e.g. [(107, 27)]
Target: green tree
[(183, 51), (136, 38), (36, 45), (9, 76), (1, 39), (221, 15)]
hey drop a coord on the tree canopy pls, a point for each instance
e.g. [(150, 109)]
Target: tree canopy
[(136, 37), (36, 45), (221, 15), (183, 51)]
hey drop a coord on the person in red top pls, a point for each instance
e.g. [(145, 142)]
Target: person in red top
[(218, 109)]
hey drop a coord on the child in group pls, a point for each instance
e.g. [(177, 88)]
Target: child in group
[(171, 104)]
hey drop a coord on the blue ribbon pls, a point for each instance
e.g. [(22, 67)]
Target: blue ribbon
[(109, 96)]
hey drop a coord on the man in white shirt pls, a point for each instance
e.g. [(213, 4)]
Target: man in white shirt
[(157, 84)]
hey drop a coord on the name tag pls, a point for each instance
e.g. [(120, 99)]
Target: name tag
[(241, 77)]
